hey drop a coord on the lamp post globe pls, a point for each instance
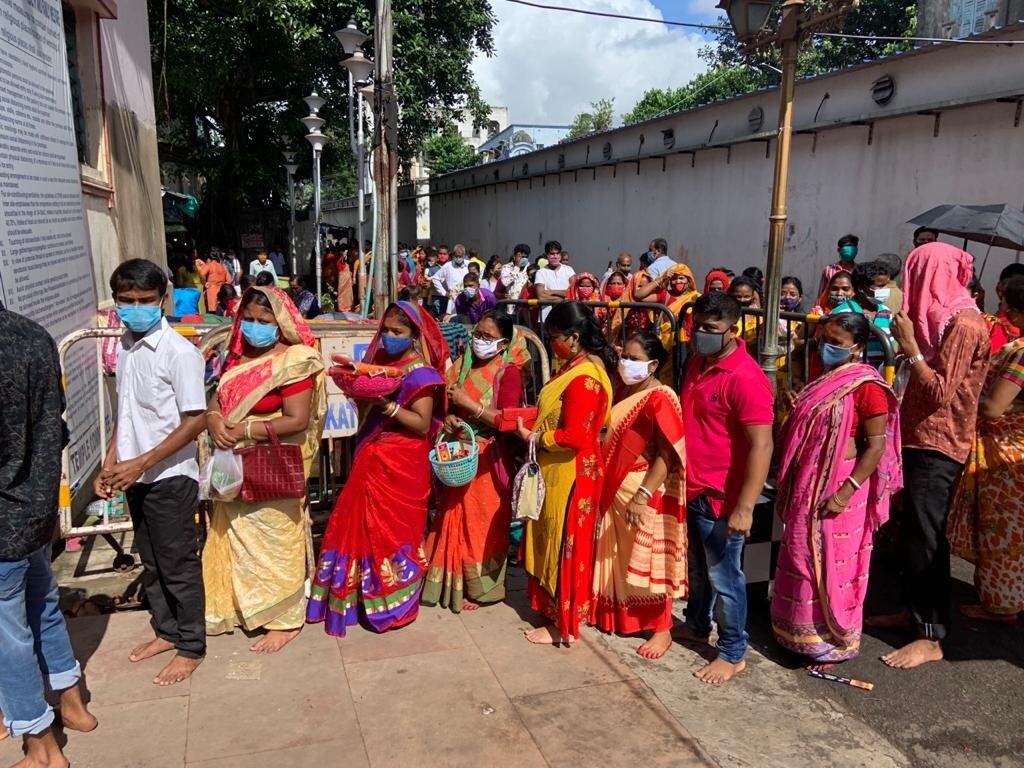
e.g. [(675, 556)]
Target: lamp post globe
[(314, 101), (748, 17), (351, 38), (359, 65)]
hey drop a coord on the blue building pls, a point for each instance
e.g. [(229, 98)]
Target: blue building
[(517, 140)]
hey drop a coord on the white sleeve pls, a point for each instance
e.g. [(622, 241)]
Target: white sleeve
[(439, 278), (187, 379), (539, 278)]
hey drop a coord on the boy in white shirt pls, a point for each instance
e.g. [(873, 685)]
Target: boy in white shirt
[(161, 409), (552, 281)]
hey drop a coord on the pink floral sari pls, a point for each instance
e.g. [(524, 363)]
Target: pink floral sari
[(822, 574)]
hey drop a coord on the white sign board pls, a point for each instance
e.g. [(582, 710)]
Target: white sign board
[(45, 264), (342, 414)]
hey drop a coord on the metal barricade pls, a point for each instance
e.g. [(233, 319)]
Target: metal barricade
[(624, 307)]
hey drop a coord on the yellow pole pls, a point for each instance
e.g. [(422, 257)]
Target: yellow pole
[(790, 37)]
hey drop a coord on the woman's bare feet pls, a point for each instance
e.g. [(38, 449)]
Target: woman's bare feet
[(177, 670), (469, 605), (150, 648), (827, 667), (657, 646), (73, 712), (42, 751), (719, 671), (274, 640), (547, 635), (899, 620), (977, 612), (914, 654)]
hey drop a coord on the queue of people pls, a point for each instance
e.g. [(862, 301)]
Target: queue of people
[(650, 492)]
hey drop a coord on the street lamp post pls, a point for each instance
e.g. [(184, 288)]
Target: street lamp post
[(318, 141), (749, 19), (360, 68), (385, 161), (291, 167)]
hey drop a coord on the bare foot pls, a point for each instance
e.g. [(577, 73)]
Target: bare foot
[(821, 667), (178, 669), (657, 646), (914, 654), (688, 635), (42, 751), (899, 620), (546, 635), (469, 605), (73, 712), (719, 671), (977, 611), (150, 648), (274, 640)]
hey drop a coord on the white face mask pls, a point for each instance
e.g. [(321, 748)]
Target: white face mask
[(485, 350), (882, 294), (634, 371), (470, 292)]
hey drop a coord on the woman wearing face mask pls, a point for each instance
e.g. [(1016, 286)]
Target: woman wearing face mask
[(468, 540), (613, 289), (558, 549), (865, 277), (838, 290), (680, 290), (641, 549), (254, 562), (372, 560), (840, 466)]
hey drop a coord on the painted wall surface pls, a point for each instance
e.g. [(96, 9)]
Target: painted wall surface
[(711, 194)]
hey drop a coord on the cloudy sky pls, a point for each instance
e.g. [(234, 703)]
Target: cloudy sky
[(549, 65)]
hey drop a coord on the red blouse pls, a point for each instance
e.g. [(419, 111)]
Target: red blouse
[(869, 400), (273, 401)]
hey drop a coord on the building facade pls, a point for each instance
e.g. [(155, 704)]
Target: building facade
[(962, 18), (517, 140)]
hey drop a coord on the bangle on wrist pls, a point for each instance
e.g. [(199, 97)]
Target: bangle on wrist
[(248, 430), (391, 410), (852, 481), (915, 359), (645, 492), (480, 412)]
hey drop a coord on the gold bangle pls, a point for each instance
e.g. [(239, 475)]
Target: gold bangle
[(392, 410), (248, 430), (479, 413)]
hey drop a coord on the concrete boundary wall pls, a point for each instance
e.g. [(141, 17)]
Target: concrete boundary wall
[(951, 133)]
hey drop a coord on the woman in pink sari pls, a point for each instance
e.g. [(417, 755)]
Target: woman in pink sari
[(840, 465)]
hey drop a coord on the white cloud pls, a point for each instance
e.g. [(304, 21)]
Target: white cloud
[(550, 65)]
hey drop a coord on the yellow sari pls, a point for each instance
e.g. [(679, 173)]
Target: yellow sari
[(257, 556)]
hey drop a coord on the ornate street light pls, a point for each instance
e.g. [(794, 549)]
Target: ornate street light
[(318, 141), (749, 19), (351, 38)]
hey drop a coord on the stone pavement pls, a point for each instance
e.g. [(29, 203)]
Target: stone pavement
[(446, 691)]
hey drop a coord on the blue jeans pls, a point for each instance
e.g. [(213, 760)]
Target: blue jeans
[(716, 571), (35, 651)]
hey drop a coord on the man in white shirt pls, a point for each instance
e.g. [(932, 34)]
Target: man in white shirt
[(553, 280), (161, 409), (262, 265), (447, 281), (662, 261)]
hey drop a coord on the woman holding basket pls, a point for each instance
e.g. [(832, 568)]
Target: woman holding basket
[(468, 541), (255, 559), (372, 560)]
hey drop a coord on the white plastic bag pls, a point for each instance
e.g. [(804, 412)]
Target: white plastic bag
[(528, 487), (225, 474)]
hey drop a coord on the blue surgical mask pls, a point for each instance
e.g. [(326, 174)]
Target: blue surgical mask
[(789, 303), (395, 345), (139, 318), (524, 263), (258, 335), (833, 354), (470, 292)]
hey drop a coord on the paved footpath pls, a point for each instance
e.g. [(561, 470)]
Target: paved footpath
[(468, 690)]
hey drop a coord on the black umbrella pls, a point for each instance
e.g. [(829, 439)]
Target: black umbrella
[(1001, 226)]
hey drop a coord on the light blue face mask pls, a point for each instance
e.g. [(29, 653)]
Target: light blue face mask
[(139, 318), (258, 335), (395, 345), (524, 263), (833, 354)]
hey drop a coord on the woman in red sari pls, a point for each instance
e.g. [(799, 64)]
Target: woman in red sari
[(558, 548), (468, 540), (641, 547), (372, 559)]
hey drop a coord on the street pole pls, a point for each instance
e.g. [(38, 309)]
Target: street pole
[(360, 216), (316, 224), (385, 257), (291, 222), (790, 39)]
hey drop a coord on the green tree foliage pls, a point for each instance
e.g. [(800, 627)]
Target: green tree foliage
[(601, 117), (230, 76), (446, 151), (731, 73)]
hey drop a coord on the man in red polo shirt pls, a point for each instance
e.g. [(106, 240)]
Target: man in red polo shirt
[(728, 410)]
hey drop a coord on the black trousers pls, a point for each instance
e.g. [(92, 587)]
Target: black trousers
[(164, 516), (928, 479)]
